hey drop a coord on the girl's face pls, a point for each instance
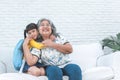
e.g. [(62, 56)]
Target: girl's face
[(33, 33), (45, 28)]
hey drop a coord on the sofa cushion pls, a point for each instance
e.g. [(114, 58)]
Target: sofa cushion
[(98, 73), (45, 78), (86, 55), (17, 76), (2, 67), (22, 76), (6, 56)]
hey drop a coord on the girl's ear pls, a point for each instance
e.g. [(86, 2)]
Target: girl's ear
[(24, 34)]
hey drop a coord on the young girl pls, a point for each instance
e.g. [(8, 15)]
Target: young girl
[(35, 67)]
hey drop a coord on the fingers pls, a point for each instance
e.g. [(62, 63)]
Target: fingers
[(47, 42), (52, 37)]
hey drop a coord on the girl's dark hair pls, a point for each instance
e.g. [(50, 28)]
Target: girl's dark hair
[(30, 27)]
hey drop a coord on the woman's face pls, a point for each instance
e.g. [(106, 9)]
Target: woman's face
[(33, 34), (45, 28)]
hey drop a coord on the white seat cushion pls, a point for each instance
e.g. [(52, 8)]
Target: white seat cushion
[(45, 78), (22, 76), (17, 76), (98, 73)]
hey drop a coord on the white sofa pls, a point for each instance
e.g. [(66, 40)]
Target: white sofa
[(90, 57)]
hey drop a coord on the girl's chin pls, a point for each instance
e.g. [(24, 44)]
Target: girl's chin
[(34, 38)]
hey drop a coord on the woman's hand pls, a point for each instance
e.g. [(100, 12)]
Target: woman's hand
[(48, 43), (52, 37)]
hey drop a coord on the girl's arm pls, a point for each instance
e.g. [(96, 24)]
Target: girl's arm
[(30, 59)]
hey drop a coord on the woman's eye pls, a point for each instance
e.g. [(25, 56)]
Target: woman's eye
[(42, 24)]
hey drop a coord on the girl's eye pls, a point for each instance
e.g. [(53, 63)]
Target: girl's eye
[(29, 33)]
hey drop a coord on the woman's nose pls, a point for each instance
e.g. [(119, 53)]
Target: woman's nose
[(45, 26)]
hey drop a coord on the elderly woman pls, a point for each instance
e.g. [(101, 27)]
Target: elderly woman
[(55, 55)]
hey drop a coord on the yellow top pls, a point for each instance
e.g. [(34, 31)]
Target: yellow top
[(35, 44)]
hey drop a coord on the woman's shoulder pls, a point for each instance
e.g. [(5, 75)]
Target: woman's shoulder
[(59, 35), (61, 38)]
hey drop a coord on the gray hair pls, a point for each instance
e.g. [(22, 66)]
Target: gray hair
[(51, 24)]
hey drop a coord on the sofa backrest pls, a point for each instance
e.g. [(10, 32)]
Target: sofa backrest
[(86, 55)]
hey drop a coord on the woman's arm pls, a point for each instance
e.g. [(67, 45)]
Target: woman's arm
[(30, 59), (64, 48)]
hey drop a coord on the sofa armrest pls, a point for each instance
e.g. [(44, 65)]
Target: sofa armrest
[(111, 60), (3, 68), (98, 73)]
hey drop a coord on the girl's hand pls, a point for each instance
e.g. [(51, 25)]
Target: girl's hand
[(26, 41)]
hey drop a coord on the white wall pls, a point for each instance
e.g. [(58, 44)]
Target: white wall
[(81, 21)]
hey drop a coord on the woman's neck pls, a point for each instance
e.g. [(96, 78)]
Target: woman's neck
[(46, 37)]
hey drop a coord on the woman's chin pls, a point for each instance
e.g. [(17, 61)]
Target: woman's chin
[(46, 34)]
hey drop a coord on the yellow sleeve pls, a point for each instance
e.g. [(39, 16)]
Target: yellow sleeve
[(35, 44)]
